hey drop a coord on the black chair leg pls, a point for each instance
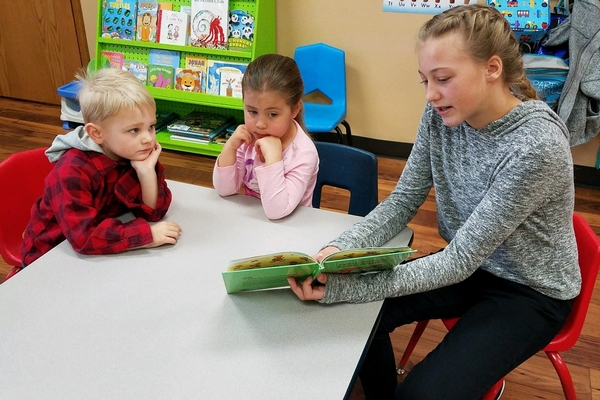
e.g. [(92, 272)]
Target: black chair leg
[(348, 132), (340, 135)]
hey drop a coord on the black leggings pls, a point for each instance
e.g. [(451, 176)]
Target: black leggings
[(501, 325)]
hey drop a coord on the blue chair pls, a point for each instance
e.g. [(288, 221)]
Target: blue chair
[(348, 168), (323, 70)]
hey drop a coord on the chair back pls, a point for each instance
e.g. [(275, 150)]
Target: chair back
[(323, 69), (588, 247), (22, 178), (348, 168)]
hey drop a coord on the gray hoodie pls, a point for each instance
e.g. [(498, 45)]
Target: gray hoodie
[(76, 139)]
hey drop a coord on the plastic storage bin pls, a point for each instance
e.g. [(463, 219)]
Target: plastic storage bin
[(70, 111)]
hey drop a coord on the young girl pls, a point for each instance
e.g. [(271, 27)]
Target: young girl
[(270, 155), (503, 176)]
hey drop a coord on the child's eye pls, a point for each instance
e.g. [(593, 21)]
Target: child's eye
[(134, 130), (443, 79), (424, 81), (273, 115), (152, 128)]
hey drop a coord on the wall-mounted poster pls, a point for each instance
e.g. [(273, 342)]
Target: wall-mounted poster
[(422, 6)]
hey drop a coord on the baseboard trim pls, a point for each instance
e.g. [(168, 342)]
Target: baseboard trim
[(584, 176)]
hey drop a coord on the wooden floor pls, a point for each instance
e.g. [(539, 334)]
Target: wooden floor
[(26, 126)]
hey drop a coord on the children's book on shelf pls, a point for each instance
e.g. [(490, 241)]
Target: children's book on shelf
[(161, 76), (119, 19), (188, 79), (225, 78), (112, 59), (172, 27), (147, 20), (164, 118), (200, 125), (164, 57), (199, 63), (241, 31), (138, 69), (182, 138), (165, 5), (188, 11), (272, 270), (209, 23)]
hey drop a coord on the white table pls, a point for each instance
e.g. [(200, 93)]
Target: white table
[(158, 324)]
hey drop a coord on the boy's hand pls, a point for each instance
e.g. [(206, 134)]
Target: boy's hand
[(164, 232), (307, 290), (149, 164), (269, 149)]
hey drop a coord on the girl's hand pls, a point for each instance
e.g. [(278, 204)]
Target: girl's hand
[(240, 136), (306, 290), (270, 149), (325, 252), (149, 164), (164, 232)]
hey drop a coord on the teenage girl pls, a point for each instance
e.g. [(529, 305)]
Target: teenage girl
[(500, 163), (271, 156)]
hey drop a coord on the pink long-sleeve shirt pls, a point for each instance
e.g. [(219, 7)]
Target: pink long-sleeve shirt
[(281, 186)]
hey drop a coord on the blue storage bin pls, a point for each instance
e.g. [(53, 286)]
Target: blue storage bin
[(70, 111)]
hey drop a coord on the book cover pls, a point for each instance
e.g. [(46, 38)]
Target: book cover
[(119, 19), (165, 5), (188, 79), (138, 69), (147, 20), (112, 59), (194, 61), (241, 31), (172, 27), (164, 57), (224, 78), (209, 23), (188, 11), (161, 76), (199, 140), (200, 124), (164, 118), (272, 270)]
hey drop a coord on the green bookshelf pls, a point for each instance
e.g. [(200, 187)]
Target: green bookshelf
[(182, 102)]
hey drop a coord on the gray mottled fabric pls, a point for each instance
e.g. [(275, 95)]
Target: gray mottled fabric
[(579, 104), (504, 197), (77, 138)]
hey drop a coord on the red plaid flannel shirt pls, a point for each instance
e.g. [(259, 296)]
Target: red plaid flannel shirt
[(83, 196)]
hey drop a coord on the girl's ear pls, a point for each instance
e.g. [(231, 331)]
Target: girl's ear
[(494, 68), (94, 133), (296, 109)]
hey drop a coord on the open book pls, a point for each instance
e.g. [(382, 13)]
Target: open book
[(272, 270)]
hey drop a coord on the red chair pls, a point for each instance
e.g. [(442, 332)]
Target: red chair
[(588, 247), (22, 177)]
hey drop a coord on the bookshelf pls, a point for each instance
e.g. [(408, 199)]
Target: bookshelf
[(181, 102)]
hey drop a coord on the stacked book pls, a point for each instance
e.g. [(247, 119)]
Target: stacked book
[(200, 127)]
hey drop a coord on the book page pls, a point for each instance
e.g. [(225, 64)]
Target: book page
[(365, 260), (271, 260)]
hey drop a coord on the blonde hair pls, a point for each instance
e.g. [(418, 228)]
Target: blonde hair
[(276, 73), (486, 33), (108, 91)]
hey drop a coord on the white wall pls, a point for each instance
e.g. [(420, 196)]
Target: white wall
[(385, 99)]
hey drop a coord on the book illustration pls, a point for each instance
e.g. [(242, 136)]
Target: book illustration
[(209, 23), (224, 78), (200, 124), (161, 76), (241, 31), (147, 20), (188, 79), (172, 27), (138, 69), (163, 119), (119, 19), (272, 270), (112, 59), (199, 63), (164, 57)]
